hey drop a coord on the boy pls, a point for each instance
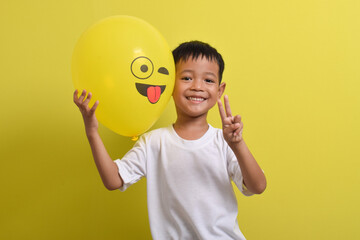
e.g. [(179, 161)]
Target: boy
[(188, 165)]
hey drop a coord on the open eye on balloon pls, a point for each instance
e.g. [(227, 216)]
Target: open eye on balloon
[(142, 67)]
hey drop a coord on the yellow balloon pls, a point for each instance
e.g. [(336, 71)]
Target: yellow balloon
[(128, 66)]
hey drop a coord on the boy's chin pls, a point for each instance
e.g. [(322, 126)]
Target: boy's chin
[(194, 114)]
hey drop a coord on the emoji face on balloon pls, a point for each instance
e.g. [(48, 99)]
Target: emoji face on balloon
[(128, 66), (143, 68)]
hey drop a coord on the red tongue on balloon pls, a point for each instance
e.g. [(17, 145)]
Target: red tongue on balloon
[(153, 93)]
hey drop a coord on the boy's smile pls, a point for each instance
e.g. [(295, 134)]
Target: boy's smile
[(196, 87)]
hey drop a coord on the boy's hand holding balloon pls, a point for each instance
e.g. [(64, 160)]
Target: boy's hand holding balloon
[(90, 121)]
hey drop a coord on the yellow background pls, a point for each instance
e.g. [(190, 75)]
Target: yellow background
[(292, 69)]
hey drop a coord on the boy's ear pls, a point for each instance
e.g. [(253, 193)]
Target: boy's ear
[(221, 89)]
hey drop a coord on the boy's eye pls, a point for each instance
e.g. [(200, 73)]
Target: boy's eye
[(209, 81), (186, 78)]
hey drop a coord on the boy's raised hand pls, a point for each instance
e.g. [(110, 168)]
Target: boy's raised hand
[(90, 121), (232, 125)]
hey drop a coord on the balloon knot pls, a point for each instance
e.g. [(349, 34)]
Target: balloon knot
[(134, 138)]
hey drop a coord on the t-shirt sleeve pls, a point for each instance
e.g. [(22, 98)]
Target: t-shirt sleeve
[(132, 167), (235, 172)]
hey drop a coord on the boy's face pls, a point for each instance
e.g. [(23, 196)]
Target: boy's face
[(197, 87)]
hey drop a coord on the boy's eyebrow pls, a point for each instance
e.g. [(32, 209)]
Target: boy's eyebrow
[(210, 73), (191, 71), (187, 70)]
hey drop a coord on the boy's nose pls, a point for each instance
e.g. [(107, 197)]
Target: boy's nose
[(197, 85)]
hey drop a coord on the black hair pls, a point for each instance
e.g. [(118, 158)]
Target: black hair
[(196, 49)]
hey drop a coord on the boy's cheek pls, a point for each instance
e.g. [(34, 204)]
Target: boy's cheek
[(176, 86)]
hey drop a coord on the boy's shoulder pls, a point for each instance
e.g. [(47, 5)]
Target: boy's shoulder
[(154, 138), (155, 133)]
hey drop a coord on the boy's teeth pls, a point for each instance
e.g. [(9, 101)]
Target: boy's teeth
[(195, 99)]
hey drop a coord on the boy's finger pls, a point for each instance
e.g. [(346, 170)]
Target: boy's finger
[(238, 130), (237, 119), (227, 106), (228, 131), (222, 111), (87, 100), (92, 110), (231, 128), (235, 126), (75, 97), (82, 96)]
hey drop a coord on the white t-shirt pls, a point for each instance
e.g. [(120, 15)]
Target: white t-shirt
[(189, 191)]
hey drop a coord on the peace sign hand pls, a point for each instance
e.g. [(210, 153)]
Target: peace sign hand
[(232, 125)]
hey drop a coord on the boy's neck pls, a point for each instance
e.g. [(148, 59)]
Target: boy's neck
[(191, 128)]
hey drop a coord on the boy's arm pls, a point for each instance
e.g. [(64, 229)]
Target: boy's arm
[(254, 178), (107, 168)]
